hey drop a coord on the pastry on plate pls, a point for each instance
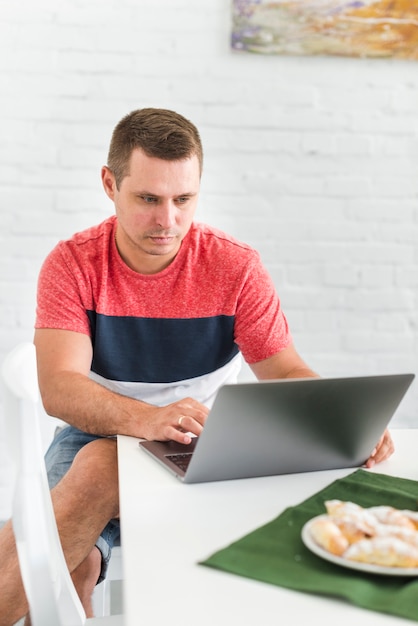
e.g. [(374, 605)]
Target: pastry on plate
[(378, 535), (385, 551), (327, 535)]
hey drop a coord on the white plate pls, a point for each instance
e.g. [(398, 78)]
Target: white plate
[(338, 560)]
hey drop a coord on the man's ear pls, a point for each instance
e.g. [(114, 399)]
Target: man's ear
[(109, 182)]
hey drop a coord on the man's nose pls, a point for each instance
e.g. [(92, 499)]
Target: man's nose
[(166, 215)]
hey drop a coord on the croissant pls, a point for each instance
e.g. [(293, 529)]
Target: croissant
[(327, 535), (385, 551), (401, 532), (353, 529), (412, 516), (338, 509), (379, 535), (390, 515)]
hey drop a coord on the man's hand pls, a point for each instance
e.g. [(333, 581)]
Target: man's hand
[(382, 451), (174, 421)]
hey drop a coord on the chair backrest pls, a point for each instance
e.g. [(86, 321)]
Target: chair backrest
[(52, 598)]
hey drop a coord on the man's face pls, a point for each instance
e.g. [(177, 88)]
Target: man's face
[(155, 206)]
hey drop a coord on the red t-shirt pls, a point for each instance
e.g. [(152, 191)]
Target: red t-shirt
[(191, 319)]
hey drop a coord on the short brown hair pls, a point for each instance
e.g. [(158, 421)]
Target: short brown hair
[(160, 133)]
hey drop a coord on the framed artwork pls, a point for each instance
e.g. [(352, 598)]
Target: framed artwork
[(355, 28)]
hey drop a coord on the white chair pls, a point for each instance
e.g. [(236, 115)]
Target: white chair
[(51, 595)]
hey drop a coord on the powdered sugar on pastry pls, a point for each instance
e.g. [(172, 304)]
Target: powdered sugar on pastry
[(340, 507), (352, 511), (386, 551), (401, 532), (390, 515), (379, 535), (327, 535), (355, 528), (412, 516)]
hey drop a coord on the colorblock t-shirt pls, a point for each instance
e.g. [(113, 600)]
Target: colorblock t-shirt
[(173, 334)]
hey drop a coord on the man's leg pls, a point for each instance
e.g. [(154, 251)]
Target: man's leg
[(84, 581), (12, 599), (85, 577), (84, 502)]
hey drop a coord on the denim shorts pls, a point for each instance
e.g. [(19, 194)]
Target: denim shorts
[(58, 459)]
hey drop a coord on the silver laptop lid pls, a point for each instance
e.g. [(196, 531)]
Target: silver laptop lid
[(290, 426)]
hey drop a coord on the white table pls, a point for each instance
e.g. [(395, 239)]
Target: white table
[(167, 527)]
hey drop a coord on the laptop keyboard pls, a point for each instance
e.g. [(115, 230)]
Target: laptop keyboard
[(181, 460)]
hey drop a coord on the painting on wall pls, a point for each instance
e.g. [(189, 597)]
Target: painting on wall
[(367, 28)]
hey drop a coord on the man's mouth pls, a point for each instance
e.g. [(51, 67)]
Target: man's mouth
[(162, 237)]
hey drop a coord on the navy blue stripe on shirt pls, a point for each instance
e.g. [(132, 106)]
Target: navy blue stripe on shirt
[(133, 349)]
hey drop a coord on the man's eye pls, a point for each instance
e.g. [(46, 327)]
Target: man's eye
[(148, 199), (183, 199)]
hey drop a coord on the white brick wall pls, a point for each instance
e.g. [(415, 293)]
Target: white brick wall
[(312, 160)]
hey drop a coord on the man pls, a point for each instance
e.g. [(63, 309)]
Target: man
[(140, 320)]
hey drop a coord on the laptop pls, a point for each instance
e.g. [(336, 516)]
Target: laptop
[(264, 428)]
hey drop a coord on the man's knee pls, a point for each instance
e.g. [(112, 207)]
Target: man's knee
[(99, 457)]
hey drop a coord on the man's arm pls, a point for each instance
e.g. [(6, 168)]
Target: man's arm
[(288, 364), (64, 360), (284, 364)]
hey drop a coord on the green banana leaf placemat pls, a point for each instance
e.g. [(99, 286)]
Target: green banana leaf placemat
[(275, 554)]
